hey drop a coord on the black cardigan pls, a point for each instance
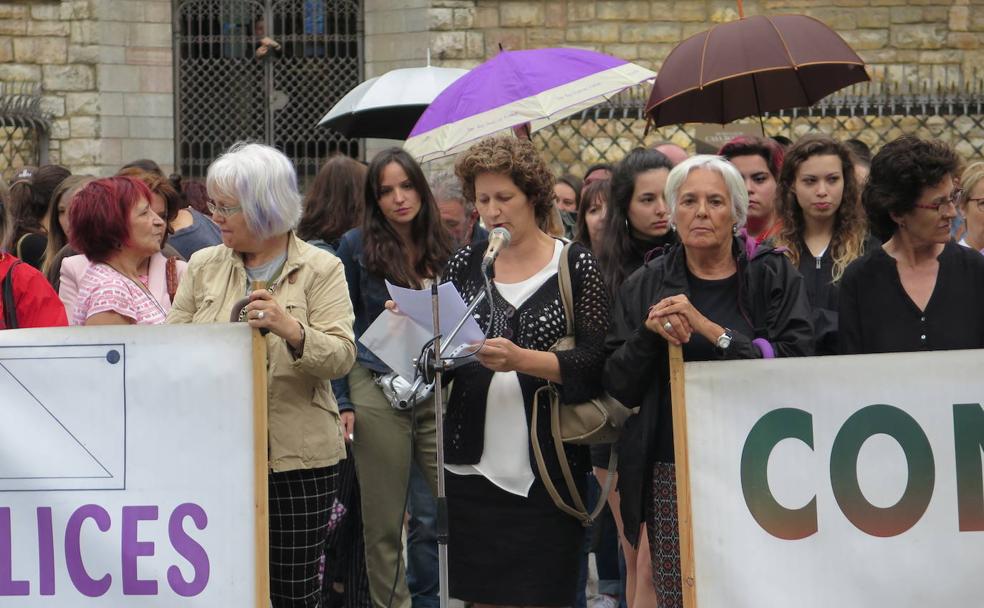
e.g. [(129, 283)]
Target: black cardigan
[(770, 296), (877, 315), (536, 325)]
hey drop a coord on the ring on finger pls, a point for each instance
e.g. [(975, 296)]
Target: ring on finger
[(668, 326), (260, 315)]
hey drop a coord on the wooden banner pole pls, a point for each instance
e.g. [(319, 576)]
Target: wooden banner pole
[(681, 454), (262, 504)]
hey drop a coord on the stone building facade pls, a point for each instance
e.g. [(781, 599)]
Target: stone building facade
[(105, 66)]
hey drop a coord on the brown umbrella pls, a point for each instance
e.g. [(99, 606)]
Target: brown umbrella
[(750, 66)]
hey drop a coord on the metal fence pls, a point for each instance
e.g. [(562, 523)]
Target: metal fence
[(227, 90), (923, 100), (24, 127)]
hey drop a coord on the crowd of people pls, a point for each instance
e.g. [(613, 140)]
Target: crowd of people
[(768, 249)]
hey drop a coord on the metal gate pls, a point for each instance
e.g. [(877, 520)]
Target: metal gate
[(24, 127), (228, 90)]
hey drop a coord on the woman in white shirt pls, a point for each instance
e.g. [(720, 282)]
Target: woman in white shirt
[(509, 544)]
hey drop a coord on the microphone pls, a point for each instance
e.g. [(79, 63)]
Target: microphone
[(498, 240)]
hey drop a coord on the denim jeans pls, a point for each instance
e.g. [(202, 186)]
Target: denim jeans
[(423, 578)]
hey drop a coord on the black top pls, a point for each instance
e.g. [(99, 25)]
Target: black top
[(768, 296), (877, 315), (823, 294), (30, 248), (535, 325), (715, 299)]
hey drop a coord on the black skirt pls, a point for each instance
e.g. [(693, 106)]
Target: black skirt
[(509, 550)]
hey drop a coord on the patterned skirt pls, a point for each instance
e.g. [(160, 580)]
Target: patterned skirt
[(664, 537)]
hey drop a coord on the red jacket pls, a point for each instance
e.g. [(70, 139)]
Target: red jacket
[(37, 303)]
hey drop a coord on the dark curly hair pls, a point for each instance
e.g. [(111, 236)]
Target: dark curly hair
[(850, 224), (516, 158), (900, 172), (384, 253), (750, 145)]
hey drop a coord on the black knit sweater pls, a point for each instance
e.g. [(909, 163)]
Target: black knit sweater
[(536, 325)]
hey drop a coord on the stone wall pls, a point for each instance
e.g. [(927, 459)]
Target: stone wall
[(105, 71), (948, 34)]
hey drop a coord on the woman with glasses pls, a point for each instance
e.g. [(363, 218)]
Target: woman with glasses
[(920, 290), (970, 204), (823, 225), (297, 295)]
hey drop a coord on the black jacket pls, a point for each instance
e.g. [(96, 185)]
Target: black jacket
[(823, 295), (771, 298)]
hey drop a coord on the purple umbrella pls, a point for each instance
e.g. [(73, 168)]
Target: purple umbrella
[(538, 86)]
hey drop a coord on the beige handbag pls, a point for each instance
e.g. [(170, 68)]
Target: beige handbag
[(597, 421)]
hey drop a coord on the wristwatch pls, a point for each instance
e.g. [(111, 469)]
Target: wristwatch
[(724, 340)]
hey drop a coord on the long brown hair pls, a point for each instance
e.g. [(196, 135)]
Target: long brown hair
[(383, 253), (28, 202), (334, 202), (56, 236), (850, 224)]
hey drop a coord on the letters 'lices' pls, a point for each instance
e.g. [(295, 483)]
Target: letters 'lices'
[(791, 423)]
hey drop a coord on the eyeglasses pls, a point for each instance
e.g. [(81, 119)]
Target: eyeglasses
[(222, 209), (939, 206)]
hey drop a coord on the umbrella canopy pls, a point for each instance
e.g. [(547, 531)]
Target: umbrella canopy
[(387, 106), (754, 65), (538, 86)]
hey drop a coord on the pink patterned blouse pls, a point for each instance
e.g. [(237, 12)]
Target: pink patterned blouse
[(102, 289)]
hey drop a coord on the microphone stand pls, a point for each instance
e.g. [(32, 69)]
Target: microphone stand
[(437, 362)]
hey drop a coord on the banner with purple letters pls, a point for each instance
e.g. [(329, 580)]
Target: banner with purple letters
[(127, 467)]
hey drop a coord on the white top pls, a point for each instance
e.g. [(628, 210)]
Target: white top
[(506, 458)]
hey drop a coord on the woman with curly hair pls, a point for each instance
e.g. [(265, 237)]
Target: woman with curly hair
[(509, 543), (403, 241), (919, 290), (823, 225)]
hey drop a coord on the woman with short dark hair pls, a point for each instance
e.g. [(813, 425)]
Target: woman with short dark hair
[(919, 290), (760, 161)]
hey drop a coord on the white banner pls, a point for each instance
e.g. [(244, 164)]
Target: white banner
[(838, 481), (126, 467)]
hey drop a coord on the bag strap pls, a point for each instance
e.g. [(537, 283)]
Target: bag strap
[(579, 510), (566, 291), (9, 304)]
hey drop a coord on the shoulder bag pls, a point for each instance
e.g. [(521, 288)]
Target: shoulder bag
[(597, 421)]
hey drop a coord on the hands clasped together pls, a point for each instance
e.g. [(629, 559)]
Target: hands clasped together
[(676, 319)]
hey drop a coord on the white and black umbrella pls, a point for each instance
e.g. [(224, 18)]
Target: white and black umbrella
[(388, 106)]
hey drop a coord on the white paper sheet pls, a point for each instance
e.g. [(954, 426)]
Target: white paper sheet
[(397, 338)]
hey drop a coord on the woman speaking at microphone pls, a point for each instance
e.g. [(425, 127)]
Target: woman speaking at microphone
[(403, 241), (509, 544)]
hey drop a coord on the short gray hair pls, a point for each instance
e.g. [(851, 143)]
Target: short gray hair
[(263, 181), (732, 180), (446, 186)]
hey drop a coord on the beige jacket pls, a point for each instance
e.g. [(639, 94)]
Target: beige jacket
[(304, 431)]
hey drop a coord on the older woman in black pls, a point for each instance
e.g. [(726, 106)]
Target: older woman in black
[(708, 295), (509, 544), (920, 290)]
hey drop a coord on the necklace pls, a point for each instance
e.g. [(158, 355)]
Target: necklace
[(142, 287)]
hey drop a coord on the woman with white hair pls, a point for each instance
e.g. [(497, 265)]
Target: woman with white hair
[(299, 298), (707, 295)]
